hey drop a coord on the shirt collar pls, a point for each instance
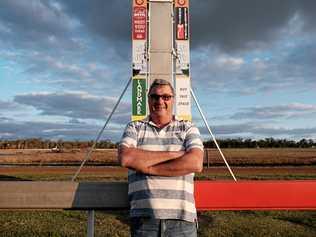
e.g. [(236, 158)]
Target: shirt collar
[(149, 121)]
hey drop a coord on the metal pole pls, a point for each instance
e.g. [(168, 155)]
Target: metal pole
[(101, 131), (214, 139), (90, 231), (208, 159)]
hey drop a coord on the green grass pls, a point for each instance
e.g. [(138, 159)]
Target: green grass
[(61, 223), (211, 224), (258, 224)]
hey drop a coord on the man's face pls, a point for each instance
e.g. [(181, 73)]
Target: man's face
[(161, 101)]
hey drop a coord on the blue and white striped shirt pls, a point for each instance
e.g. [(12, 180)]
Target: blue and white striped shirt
[(159, 196)]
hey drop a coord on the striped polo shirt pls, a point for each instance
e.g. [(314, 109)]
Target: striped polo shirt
[(161, 197)]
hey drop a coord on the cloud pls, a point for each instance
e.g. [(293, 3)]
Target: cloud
[(75, 121), (36, 24), (109, 19), (306, 10), (229, 62), (75, 105), (272, 112), (299, 64), (11, 129), (41, 64), (258, 130), (229, 129), (282, 67), (225, 24), (46, 130), (9, 105), (245, 24), (5, 119), (40, 16)]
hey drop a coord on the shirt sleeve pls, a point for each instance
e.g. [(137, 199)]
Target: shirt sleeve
[(129, 137), (193, 138)]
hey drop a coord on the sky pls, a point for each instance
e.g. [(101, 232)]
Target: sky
[(64, 63)]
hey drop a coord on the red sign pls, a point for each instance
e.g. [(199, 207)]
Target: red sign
[(180, 31), (139, 23), (182, 23)]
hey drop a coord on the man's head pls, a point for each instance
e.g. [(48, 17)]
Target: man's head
[(161, 99)]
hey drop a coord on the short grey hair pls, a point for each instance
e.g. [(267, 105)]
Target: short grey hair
[(160, 82)]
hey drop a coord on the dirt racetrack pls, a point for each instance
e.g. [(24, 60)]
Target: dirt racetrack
[(237, 157), (106, 172)]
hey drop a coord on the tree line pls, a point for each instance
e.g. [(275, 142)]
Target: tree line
[(38, 143), (262, 143)]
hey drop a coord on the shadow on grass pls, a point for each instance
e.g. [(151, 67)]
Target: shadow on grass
[(120, 215), (11, 178)]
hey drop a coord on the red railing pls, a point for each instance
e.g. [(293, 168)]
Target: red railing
[(256, 195)]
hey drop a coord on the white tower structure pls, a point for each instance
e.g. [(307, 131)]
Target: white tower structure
[(160, 34)]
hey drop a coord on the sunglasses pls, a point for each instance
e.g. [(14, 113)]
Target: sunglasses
[(165, 97)]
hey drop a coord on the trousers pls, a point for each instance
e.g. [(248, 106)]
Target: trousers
[(148, 227)]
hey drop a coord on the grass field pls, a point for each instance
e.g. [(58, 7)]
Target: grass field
[(247, 164), (212, 224)]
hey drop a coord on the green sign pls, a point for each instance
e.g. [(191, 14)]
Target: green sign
[(139, 98)]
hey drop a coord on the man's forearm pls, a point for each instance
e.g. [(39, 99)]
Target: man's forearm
[(141, 160), (190, 162)]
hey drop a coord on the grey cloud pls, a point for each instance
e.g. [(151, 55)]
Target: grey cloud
[(300, 63), (36, 24), (87, 74), (45, 130), (287, 68), (34, 15), (5, 119), (227, 24), (258, 130), (75, 121), (109, 19), (246, 24), (229, 129), (272, 112), (293, 133), (238, 24), (307, 11), (77, 105), (9, 105), (11, 129)]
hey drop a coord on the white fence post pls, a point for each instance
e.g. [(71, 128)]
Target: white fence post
[(90, 223)]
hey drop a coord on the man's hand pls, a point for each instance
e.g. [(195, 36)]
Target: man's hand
[(142, 160)]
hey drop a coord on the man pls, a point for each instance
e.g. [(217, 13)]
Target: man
[(162, 154)]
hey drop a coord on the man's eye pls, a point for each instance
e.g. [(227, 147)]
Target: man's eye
[(166, 97)]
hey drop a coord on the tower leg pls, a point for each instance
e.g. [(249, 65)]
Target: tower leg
[(213, 137)]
